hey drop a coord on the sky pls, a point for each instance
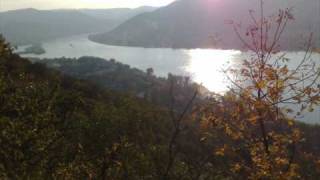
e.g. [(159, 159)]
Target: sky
[(76, 4)]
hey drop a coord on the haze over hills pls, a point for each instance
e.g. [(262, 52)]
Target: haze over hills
[(119, 14), (202, 24), (29, 26)]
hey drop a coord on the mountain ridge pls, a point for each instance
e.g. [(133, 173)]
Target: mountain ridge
[(33, 26), (202, 24)]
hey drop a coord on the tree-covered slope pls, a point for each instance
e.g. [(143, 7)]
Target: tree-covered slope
[(120, 77), (54, 126)]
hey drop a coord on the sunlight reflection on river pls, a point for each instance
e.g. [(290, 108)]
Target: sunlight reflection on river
[(207, 66)]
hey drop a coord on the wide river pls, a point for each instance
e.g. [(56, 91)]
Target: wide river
[(203, 65)]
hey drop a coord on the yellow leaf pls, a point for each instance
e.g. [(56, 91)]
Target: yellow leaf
[(221, 151), (290, 122), (253, 119), (236, 167), (262, 84)]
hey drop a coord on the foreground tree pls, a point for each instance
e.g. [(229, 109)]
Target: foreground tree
[(257, 115)]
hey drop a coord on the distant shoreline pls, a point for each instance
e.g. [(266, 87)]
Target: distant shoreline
[(91, 38)]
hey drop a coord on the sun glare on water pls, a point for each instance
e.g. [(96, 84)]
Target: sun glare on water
[(206, 67)]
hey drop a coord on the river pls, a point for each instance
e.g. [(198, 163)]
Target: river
[(202, 65)]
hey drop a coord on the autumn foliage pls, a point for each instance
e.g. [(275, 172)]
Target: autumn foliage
[(54, 126), (257, 115)]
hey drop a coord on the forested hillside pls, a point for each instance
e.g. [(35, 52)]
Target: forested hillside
[(122, 78), (55, 126)]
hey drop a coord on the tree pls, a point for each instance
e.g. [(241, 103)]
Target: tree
[(150, 71), (255, 114), (5, 48)]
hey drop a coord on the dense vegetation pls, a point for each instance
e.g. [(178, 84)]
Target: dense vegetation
[(100, 119), (121, 77), (54, 126)]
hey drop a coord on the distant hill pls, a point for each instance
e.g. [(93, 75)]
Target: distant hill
[(119, 15), (202, 24), (31, 26)]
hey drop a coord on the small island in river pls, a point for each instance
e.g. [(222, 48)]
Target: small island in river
[(34, 49)]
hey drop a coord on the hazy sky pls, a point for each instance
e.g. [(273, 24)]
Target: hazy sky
[(57, 4)]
